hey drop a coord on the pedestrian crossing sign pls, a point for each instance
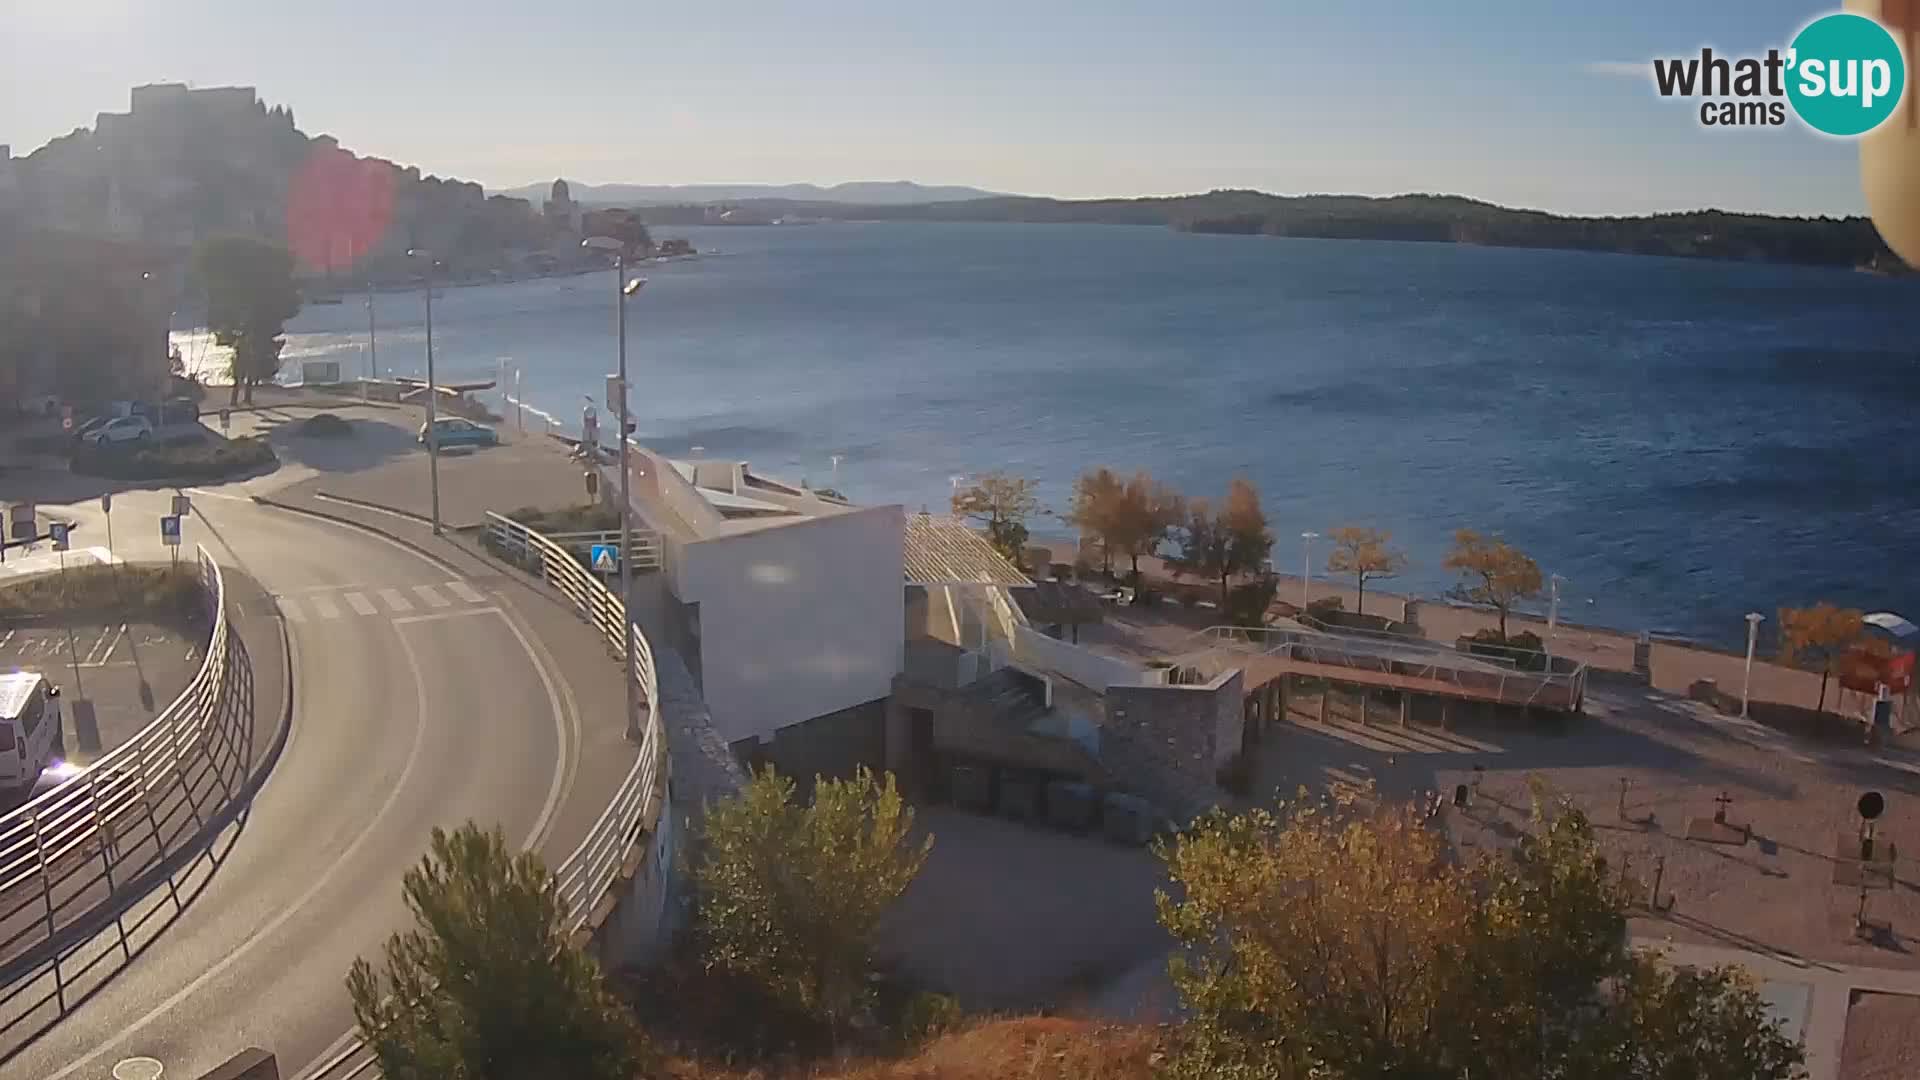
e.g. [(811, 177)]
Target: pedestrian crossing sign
[(605, 558)]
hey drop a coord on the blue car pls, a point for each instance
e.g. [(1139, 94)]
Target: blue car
[(454, 431)]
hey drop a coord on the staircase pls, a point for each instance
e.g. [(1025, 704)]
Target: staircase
[(1015, 697)]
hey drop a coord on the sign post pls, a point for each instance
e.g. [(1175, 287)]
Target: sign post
[(182, 506), (605, 559), (170, 536)]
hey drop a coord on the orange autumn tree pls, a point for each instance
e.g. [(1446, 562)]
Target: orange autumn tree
[(1819, 635), (1366, 554)]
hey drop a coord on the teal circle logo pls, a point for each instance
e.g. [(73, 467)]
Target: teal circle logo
[(1845, 74)]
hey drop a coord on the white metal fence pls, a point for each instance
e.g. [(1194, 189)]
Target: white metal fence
[(67, 856), (636, 809)]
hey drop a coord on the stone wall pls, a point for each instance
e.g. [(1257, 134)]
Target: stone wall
[(832, 745), (1170, 741)]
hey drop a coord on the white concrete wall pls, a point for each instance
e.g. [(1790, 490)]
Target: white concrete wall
[(1090, 669), (799, 620)]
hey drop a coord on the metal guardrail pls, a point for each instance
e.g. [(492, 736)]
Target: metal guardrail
[(66, 853), (645, 544), (1496, 678), (637, 804)]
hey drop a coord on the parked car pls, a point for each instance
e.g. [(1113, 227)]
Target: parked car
[(89, 426), (125, 429), (455, 431), (29, 726)]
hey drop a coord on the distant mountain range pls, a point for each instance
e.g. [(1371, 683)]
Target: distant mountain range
[(864, 193)]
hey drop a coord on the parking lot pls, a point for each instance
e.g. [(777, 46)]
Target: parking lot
[(115, 677)]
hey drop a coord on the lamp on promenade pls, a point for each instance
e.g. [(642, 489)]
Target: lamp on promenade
[(622, 288), (1306, 569), (1553, 608), (1754, 619), (433, 432)]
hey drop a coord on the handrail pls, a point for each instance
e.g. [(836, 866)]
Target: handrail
[(637, 804), (115, 807)]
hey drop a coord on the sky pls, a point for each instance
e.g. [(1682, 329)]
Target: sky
[(1534, 103)]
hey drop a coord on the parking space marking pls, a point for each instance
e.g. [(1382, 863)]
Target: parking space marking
[(6, 638), (431, 596), (396, 601), (360, 604), (465, 592), (323, 606)]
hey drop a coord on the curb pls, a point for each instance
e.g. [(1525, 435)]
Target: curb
[(341, 519), (368, 504), (140, 887)]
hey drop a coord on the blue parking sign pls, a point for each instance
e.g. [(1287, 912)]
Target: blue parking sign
[(170, 530)]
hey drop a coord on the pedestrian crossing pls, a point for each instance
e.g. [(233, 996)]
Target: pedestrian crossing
[(362, 602)]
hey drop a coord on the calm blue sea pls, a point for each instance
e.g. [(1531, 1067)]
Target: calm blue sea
[(1682, 441)]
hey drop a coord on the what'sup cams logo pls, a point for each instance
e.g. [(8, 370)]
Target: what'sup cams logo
[(1843, 75)]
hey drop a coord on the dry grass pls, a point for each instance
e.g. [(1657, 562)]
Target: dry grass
[(1032, 1048), (163, 591)]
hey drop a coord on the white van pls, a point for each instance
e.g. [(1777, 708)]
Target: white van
[(29, 726)]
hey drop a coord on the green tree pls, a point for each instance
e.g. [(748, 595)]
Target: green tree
[(1344, 940), (488, 986), (1493, 574), (1219, 544), (1002, 502), (1819, 635), (1364, 553), (250, 296), (790, 895)]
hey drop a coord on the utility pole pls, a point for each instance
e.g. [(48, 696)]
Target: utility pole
[(433, 433)]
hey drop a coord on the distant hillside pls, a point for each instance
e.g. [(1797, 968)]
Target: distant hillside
[(1713, 234), (869, 193)]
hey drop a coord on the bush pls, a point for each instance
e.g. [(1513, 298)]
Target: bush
[(1525, 648), (587, 517), (158, 590), (203, 459), (927, 1015), (325, 426), (1247, 604), (1324, 605)]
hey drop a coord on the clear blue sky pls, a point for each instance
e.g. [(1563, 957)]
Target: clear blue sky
[(1517, 101)]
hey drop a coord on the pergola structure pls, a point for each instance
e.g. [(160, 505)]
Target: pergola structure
[(945, 552)]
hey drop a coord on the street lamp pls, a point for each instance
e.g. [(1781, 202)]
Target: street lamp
[(433, 433), (1754, 619), (1553, 608), (622, 290), (1306, 568)]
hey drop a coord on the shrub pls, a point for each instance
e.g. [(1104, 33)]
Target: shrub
[(586, 517), (927, 1015), (789, 897), (325, 426), (1325, 604), (1525, 648), (160, 590), (202, 460)]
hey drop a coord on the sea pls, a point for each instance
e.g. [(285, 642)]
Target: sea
[(1681, 441)]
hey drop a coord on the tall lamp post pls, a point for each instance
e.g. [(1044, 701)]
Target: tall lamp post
[(1553, 609), (622, 290), (1306, 569), (1754, 619), (433, 431)]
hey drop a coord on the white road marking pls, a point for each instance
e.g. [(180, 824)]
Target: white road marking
[(465, 592), (4, 639), (377, 822), (290, 609), (323, 606), (439, 616), (431, 596), (360, 604), (396, 601)]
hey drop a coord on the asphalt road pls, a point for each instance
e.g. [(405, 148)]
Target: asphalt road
[(405, 718)]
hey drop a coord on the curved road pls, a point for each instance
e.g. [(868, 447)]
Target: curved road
[(420, 699)]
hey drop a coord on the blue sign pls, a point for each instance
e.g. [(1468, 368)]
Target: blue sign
[(57, 532), (170, 530), (605, 558)]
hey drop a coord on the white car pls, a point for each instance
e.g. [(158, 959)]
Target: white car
[(126, 429), (29, 727)]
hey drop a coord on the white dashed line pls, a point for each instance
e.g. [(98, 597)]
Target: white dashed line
[(360, 604), (396, 601), (431, 596)]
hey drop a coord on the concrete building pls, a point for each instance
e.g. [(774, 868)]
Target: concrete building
[(786, 605)]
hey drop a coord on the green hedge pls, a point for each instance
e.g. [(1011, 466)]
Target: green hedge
[(208, 459)]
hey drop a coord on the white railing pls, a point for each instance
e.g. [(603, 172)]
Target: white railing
[(644, 543), (65, 856), (1090, 669), (637, 806)]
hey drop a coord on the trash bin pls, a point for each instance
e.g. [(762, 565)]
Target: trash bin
[(1070, 805), (971, 787), (1128, 819), (1019, 796)]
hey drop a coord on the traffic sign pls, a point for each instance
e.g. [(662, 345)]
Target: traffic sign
[(182, 506), (170, 530), (57, 532), (21, 517), (605, 558)]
